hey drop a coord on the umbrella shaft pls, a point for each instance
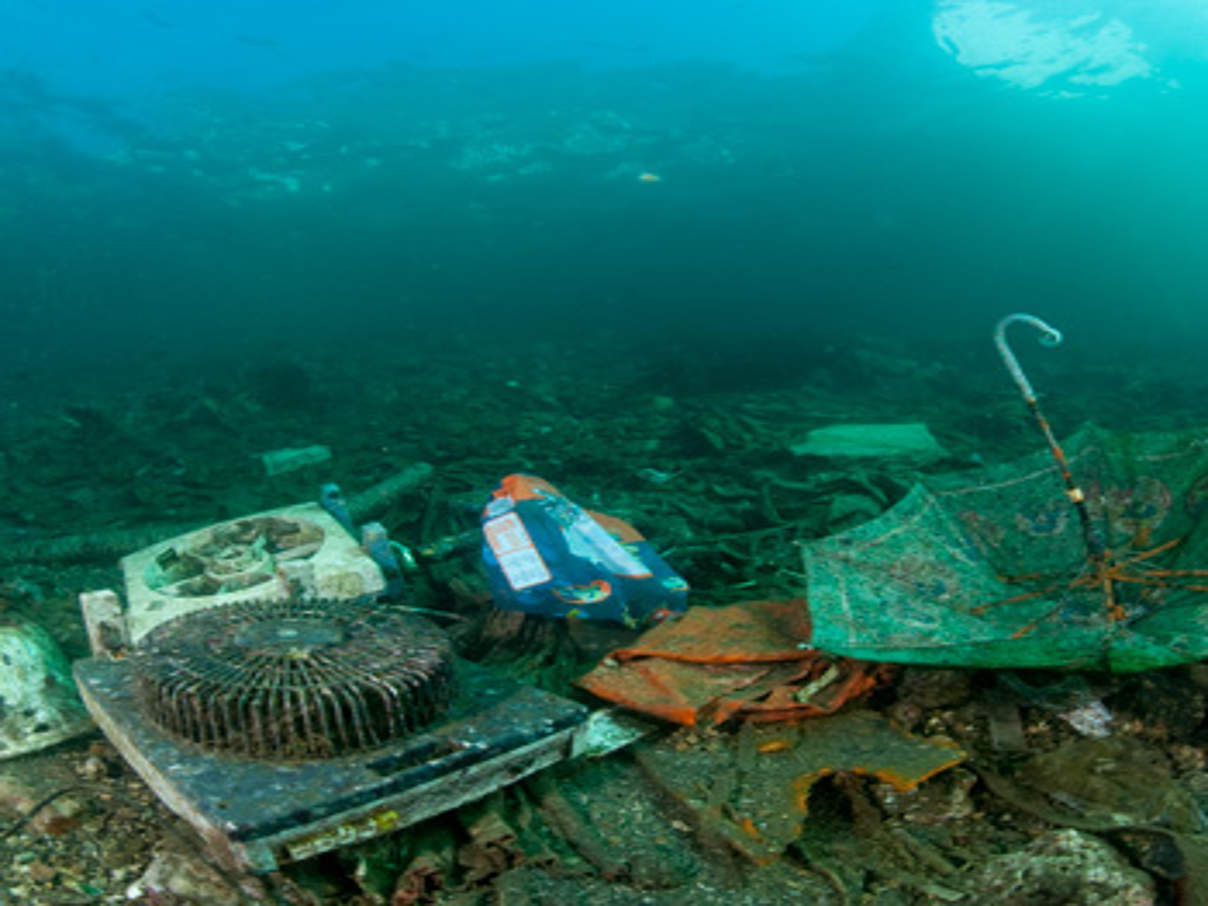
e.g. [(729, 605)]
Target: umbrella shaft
[(1094, 543)]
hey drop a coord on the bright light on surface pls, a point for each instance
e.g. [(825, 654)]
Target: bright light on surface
[(1060, 55)]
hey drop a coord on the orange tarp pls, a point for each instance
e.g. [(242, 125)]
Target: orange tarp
[(751, 659)]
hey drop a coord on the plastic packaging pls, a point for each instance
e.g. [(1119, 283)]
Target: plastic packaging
[(38, 702), (546, 555)]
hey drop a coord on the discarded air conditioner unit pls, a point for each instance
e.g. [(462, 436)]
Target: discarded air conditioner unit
[(258, 689)]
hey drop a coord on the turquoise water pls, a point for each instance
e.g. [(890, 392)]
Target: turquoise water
[(639, 249), (179, 183)]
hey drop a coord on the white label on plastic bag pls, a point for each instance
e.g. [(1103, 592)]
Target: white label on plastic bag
[(589, 540), (509, 540), (499, 505)]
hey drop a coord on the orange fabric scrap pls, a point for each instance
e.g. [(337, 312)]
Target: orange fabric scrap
[(714, 663)]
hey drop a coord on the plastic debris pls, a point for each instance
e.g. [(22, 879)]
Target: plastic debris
[(752, 789), (992, 568), (1091, 719), (1072, 699), (751, 660), (608, 729), (548, 556), (851, 509), (290, 459), (38, 702), (912, 440)]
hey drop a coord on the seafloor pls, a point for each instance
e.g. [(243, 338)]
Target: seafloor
[(690, 445)]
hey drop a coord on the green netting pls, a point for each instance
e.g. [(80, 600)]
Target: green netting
[(932, 581)]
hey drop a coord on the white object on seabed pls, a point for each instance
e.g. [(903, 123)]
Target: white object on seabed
[(39, 705), (911, 440), (288, 459)]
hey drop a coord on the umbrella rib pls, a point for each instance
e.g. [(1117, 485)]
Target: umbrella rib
[(1151, 553), (1024, 630), (1015, 599)]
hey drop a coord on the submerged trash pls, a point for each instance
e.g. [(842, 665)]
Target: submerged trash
[(752, 789), (751, 660), (546, 555), (912, 441), (1000, 568), (269, 555), (1090, 719), (38, 702), (290, 459), (1063, 866), (990, 569), (1113, 782), (290, 728), (1123, 786), (1072, 699), (301, 713)]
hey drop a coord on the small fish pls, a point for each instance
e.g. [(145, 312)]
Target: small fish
[(647, 176)]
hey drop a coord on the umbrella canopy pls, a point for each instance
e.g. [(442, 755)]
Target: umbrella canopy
[(992, 569)]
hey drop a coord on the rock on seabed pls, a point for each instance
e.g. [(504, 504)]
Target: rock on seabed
[(1063, 866)]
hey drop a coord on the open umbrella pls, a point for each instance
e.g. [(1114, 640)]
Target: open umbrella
[(1092, 555)]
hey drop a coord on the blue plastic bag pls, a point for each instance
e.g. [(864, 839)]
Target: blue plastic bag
[(546, 555)]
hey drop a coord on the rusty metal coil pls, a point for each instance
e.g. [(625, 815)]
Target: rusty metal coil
[(288, 680)]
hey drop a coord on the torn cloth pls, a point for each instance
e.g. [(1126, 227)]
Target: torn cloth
[(750, 659)]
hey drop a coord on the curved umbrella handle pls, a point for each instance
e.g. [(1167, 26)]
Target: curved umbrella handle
[(1049, 336)]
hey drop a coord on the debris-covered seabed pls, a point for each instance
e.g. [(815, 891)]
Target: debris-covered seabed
[(1075, 789)]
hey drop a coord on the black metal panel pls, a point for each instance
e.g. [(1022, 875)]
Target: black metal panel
[(248, 799)]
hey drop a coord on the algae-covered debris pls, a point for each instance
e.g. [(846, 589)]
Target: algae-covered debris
[(38, 702), (1120, 786), (912, 441), (1063, 866), (290, 459), (1117, 779), (992, 567), (752, 788), (749, 660)]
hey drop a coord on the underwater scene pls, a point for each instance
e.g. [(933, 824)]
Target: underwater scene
[(530, 453)]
